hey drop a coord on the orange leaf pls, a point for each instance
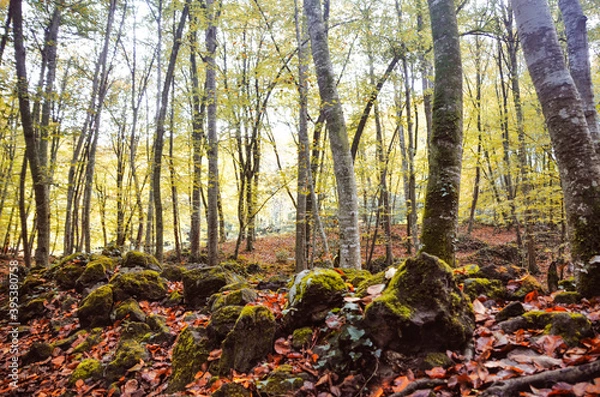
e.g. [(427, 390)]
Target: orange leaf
[(79, 384), (436, 373), (533, 295), (378, 392), (58, 361), (400, 383), (282, 346), (215, 354)]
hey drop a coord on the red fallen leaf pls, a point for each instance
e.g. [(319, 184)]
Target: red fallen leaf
[(533, 295), (294, 355), (58, 361), (80, 383), (282, 346), (215, 354), (131, 386), (378, 392), (436, 373), (561, 389), (556, 309), (400, 383)]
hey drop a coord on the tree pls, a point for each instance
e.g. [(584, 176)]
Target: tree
[(338, 138), (577, 160), (440, 218)]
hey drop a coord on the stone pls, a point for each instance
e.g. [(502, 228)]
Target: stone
[(572, 327), (231, 390), (141, 285), (129, 309), (94, 310), (239, 297), (513, 309), (39, 351), (172, 272), (95, 272), (200, 283), (129, 353), (222, 322), (86, 369), (475, 287), (302, 337), (191, 351), (141, 260), (422, 310)]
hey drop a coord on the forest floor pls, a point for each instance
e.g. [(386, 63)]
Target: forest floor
[(526, 362)]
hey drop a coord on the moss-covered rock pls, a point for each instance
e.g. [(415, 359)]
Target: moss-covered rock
[(130, 309), (281, 382), (172, 272), (66, 343), (94, 310), (474, 287), (32, 283), (436, 359), (513, 309), (160, 331), (66, 275), (200, 283), (35, 308), (588, 281), (363, 286), (240, 297), (302, 337), (421, 310), (568, 284), (191, 351), (527, 284), (95, 272), (39, 351), (141, 260), (142, 285), (175, 298), (250, 340), (231, 390), (87, 369), (94, 337), (135, 330), (312, 295), (129, 353), (273, 283), (222, 322), (572, 327), (355, 276), (567, 297)]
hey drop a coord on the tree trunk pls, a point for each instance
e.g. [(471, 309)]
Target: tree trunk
[(440, 219), (575, 153), (338, 138)]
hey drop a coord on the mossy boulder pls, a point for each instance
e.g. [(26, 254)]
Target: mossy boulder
[(422, 310), (32, 283), (356, 276), (142, 285), (135, 330), (172, 272), (513, 309), (312, 295), (567, 297), (524, 286), (250, 341), (572, 327), (39, 351), (436, 359), (568, 284), (281, 382), (240, 297), (87, 369), (200, 283), (222, 321), (475, 287), (160, 331), (141, 260), (95, 272), (66, 275), (94, 310), (175, 298), (363, 286), (273, 283), (129, 353), (94, 337), (191, 351), (130, 309), (302, 337), (231, 390), (35, 308)]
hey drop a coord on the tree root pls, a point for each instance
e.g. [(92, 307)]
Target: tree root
[(580, 373), (420, 384)]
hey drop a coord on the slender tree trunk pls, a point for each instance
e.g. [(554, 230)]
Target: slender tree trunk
[(338, 138), (173, 179), (477, 105), (440, 219), (577, 160), (23, 214)]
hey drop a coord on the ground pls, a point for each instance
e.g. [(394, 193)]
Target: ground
[(495, 355)]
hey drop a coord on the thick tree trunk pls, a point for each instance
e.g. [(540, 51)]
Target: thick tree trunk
[(440, 219), (338, 138), (577, 160), (579, 62)]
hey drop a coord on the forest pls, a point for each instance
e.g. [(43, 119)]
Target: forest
[(309, 197)]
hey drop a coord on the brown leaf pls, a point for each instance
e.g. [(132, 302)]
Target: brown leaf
[(282, 346), (436, 373)]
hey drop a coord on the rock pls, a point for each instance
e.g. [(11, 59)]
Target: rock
[(94, 310), (231, 390), (356, 276), (250, 341), (87, 369), (273, 283), (421, 310), (191, 351), (142, 285), (571, 326), (281, 382), (436, 359), (95, 272), (475, 287), (568, 284), (32, 284), (504, 273), (174, 299), (90, 341), (302, 337), (513, 309), (33, 309), (240, 297), (312, 295), (141, 260), (39, 351), (589, 285), (201, 283), (161, 333), (130, 309), (567, 297), (172, 272), (135, 330), (129, 353), (524, 286), (66, 276), (222, 322)]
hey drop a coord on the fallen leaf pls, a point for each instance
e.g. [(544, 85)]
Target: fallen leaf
[(375, 289), (436, 373), (282, 346)]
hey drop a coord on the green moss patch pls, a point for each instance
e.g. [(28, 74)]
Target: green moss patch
[(94, 310), (137, 259), (201, 283), (87, 369), (191, 351), (130, 309), (142, 285), (475, 287), (128, 353)]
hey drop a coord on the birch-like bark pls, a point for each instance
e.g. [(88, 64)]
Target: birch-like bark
[(338, 138), (576, 157), (440, 219), (579, 61)]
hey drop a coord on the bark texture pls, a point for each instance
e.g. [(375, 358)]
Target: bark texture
[(338, 138), (577, 160), (440, 219)]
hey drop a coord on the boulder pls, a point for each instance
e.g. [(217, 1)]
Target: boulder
[(239, 297), (94, 310), (95, 272), (567, 297), (91, 340), (129, 353), (135, 330), (302, 338), (142, 285), (172, 272), (87, 369), (282, 382), (191, 351), (160, 331), (572, 327), (200, 283), (250, 341), (422, 310), (39, 351), (222, 322), (130, 309), (475, 287), (66, 276), (141, 260), (35, 308), (231, 390), (513, 309), (518, 289), (312, 295), (589, 283)]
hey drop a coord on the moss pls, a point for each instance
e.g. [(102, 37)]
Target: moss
[(161, 333), (31, 283), (93, 273), (302, 337), (572, 327), (511, 310), (378, 278), (231, 390), (568, 284), (76, 257), (92, 340), (129, 308), (567, 297), (250, 340), (436, 359), (87, 369), (474, 287), (33, 309), (199, 284), (135, 330), (356, 276), (528, 284), (67, 275), (141, 259), (222, 321), (65, 344), (143, 285), (37, 352), (281, 382), (239, 297), (191, 351), (174, 299), (129, 353), (95, 309), (172, 272)]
